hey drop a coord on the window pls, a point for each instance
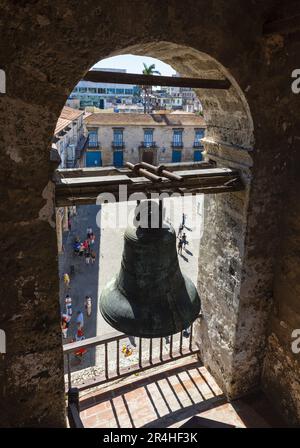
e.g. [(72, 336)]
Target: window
[(128, 91), (148, 137), (101, 90), (92, 89), (93, 138), (111, 91), (120, 91), (82, 89), (199, 134), (118, 138), (177, 137)]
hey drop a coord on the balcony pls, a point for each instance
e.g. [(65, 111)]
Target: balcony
[(198, 145), (118, 145), (177, 145), (82, 143), (161, 385), (93, 144), (148, 145)]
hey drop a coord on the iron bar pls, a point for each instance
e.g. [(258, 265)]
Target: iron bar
[(180, 343), (68, 349), (150, 351), (140, 352), (106, 360), (171, 347), (161, 349), (69, 372), (191, 337), (118, 356)]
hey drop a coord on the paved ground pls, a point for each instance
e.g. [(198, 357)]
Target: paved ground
[(90, 279), (84, 281), (179, 395)]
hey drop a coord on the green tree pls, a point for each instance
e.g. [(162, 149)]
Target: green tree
[(148, 70)]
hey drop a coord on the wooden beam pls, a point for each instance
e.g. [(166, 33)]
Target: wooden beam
[(85, 190), (150, 80), (113, 171)]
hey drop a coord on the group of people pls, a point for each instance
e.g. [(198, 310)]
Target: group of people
[(182, 240), (85, 248), (67, 316)]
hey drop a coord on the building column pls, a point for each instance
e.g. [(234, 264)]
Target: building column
[(59, 233), (65, 220)]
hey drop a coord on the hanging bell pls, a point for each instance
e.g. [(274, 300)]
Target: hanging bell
[(150, 297)]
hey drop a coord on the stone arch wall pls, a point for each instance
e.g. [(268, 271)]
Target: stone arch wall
[(229, 142), (45, 49)]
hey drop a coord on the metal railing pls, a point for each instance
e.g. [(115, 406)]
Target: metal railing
[(147, 357), (73, 409), (148, 145), (118, 145), (177, 145), (198, 145), (91, 144)]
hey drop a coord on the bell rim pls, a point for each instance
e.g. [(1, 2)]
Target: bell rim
[(112, 289)]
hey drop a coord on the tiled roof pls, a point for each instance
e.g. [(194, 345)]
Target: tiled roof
[(70, 114), (119, 119), (66, 117)]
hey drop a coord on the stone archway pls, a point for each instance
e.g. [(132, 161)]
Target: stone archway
[(45, 51), (229, 341)]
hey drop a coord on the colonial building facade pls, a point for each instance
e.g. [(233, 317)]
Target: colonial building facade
[(114, 139), (69, 138)]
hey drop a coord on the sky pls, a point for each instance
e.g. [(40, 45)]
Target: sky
[(134, 64)]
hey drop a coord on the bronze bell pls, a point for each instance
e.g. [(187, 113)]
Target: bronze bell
[(150, 297)]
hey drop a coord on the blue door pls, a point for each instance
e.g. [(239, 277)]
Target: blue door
[(93, 158), (197, 155), (176, 156), (118, 158)]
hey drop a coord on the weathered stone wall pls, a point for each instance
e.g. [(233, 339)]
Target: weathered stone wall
[(45, 49), (281, 371)]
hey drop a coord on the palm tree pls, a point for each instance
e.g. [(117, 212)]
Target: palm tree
[(148, 70)]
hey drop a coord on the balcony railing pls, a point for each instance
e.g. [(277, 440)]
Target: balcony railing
[(198, 145), (150, 353), (82, 143), (177, 145), (148, 145), (118, 145), (93, 144)]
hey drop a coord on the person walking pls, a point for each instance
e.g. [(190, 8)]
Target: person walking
[(92, 238), (79, 335), (66, 281), (79, 319), (86, 244), (180, 230), (184, 240), (89, 232), (180, 246), (88, 305), (68, 304), (87, 255), (65, 322), (93, 256)]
